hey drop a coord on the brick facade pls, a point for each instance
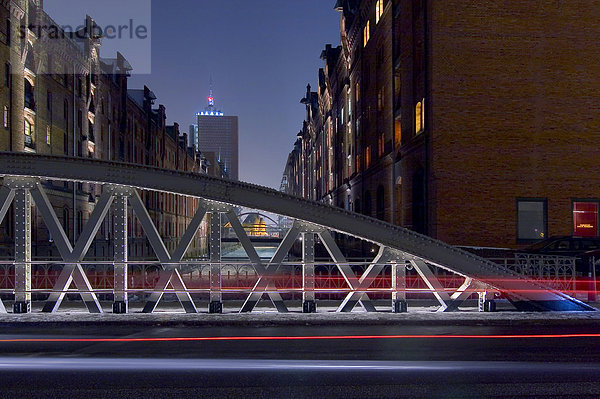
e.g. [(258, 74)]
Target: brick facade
[(485, 103), (66, 99)]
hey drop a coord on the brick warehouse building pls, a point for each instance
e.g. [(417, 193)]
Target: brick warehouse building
[(60, 97), (482, 115)]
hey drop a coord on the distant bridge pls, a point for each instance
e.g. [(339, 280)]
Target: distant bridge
[(399, 248)]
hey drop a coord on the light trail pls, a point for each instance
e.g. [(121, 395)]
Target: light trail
[(56, 365), (295, 338)]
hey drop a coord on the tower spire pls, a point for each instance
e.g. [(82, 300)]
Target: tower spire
[(211, 98), (210, 109)]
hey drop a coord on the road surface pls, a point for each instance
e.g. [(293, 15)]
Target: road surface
[(300, 361)]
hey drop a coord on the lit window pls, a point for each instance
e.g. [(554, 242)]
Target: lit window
[(6, 116), (381, 144), (397, 133), (531, 219), (357, 91), (48, 135), (349, 105), (368, 157), (585, 219), (28, 128), (378, 11), (420, 117), (367, 33)]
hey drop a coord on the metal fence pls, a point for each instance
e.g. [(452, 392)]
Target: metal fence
[(557, 272)]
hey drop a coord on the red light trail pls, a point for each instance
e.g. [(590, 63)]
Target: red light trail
[(295, 338)]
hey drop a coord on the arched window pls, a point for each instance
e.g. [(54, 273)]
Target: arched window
[(29, 96), (380, 203), (5, 115), (420, 117)]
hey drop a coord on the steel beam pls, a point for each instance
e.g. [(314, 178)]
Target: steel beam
[(120, 247), (309, 304), (257, 263), (364, 282), (461, 295), (215, 296), (72, 271), (525, 294), (344, 268), (149, 228), (171, 274), (22, 251), (6, 197), (399, 304), (433, 283), (190, 233), (264, 279)]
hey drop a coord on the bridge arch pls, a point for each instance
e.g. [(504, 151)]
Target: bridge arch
[(397, 245)]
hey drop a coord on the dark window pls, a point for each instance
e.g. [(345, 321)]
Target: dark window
[(380, 203), (29, 96), (419, 208), (79, 222), (79, 121), (66, 110), (66, 144), (367, 209), (532, 219), (7, 74), (8, 32), (79, 87), (66, 220), (49, 103), (91, 133)]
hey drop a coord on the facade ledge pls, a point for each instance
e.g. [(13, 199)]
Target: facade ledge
[(29, 75), (29, 112)]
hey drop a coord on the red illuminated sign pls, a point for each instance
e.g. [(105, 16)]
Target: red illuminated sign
[(585, 219)]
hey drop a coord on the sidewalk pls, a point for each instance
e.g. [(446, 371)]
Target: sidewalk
[(173, 316)]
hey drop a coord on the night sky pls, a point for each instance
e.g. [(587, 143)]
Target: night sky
[(260, 54)]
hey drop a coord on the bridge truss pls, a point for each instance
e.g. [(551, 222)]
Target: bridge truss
[(398, 248)]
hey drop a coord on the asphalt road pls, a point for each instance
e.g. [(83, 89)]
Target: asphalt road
[(198, 362)]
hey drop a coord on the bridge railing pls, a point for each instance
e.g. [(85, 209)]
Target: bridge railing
[(558, 272), (238, 279)]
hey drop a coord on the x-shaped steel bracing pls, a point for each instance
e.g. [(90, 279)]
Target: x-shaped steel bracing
[(72, 256), (448, 303)]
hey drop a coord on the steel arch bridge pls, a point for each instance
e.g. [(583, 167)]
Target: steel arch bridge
[(399, 248)]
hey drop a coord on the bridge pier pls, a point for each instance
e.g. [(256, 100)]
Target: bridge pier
[(216, 299), (120, 304), (309, 304), (22, 206), (399, 304), (485, 304)]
